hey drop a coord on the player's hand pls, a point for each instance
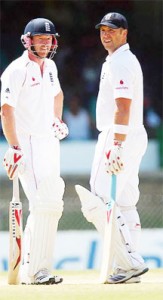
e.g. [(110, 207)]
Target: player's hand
[(114, 161), (60, 129), (14, 162)]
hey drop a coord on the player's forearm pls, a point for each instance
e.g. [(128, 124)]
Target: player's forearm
[(8, 125), (58, 105), (121, 118)]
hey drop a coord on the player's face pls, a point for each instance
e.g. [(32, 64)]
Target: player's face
[(42, 44), (111, 38)]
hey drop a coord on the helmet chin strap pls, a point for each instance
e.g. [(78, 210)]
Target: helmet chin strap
[(34, 52), (49, 55)]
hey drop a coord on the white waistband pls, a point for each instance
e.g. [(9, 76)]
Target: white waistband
[(129, 128)]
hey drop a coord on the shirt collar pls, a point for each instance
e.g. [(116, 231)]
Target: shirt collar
[(27, 59), (118, 51), (25, 56)]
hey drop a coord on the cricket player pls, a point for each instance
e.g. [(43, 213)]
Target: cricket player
[(32, 104), (122, 142)]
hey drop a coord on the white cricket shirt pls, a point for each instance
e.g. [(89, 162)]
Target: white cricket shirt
[(121, 76), (31, 94)]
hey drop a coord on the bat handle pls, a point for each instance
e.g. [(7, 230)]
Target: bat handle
[(113, 187), (15, 195)]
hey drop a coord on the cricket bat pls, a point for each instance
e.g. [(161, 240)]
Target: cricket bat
[(15, 233), (108, 243)]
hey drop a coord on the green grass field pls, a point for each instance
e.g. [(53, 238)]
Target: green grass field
[(83, 285)]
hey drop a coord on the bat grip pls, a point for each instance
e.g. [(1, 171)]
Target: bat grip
[(15, 196), (113, 187)]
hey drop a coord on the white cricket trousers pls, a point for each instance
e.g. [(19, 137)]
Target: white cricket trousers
[(127, 181), (42, 156)]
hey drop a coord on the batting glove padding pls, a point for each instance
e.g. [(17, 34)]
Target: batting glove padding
[(60, 129), (114, 162), (13, 162)]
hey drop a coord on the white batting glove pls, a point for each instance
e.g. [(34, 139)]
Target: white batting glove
[(14, 162), (114, 161), (60, 129)]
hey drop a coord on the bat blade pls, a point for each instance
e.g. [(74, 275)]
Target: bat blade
[(15, 232), (108, 244)]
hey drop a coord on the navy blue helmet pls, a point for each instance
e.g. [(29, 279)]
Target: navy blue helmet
[(39, 26)]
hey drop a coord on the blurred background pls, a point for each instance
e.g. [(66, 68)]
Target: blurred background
[(79, 59)]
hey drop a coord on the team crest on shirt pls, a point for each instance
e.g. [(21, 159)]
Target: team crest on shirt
[(51, 78)]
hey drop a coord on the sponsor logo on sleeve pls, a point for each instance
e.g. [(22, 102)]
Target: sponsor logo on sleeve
[(121, 86), (7, 90)]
